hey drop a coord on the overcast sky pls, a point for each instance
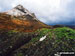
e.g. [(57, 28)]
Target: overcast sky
[(48, 11)]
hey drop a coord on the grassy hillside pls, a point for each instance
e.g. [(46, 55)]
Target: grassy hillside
[(15, 43), (57, 40)]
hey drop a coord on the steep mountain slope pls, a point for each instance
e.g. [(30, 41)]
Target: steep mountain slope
[(20, 19)]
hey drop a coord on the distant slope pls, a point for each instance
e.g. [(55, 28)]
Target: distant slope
[(70, 26)]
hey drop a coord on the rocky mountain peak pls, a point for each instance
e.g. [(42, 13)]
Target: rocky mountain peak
[(21, 8), (19, 11)]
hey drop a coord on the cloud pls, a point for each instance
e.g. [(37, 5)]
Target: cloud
[(0, 9), (48, 11)]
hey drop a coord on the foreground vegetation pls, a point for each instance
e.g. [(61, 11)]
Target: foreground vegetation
[(57, 40)]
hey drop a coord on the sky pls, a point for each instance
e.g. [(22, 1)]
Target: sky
[(51, 12)]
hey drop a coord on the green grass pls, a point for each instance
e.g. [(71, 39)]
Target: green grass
[(63, 37), (64, 33), (58, 39), (58, 33), (41, 33)]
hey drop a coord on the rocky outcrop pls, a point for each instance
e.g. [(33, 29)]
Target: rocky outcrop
[(21, 11)]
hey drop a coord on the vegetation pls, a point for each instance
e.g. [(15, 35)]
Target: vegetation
[(41, 33), (59, 33), (64, 33), (57, 40)]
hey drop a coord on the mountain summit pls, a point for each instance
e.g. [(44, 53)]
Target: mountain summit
[(20, 19), (18, 11), (21, 11)]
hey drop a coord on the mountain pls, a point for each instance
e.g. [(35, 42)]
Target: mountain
[(20, 19)]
